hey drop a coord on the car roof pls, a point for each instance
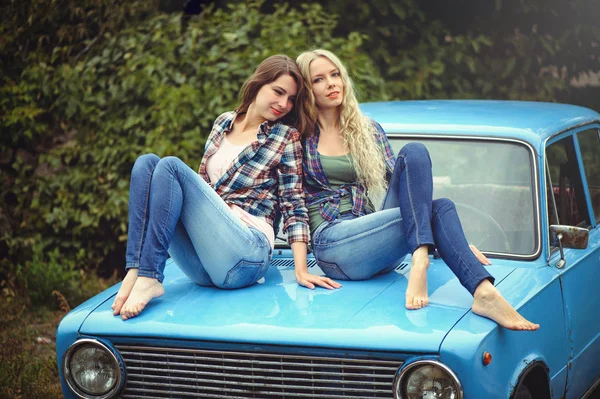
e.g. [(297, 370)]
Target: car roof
[(526, 120)]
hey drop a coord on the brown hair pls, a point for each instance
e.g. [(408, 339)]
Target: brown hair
[(268, 71)]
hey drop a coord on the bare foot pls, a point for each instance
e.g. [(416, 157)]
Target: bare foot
[(125, 290), (488, 302), (416, 292), (144, 289)]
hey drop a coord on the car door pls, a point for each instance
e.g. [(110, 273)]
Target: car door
[(573, 164)]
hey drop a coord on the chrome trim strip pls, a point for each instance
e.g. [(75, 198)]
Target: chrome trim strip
[(257, 354), (399, 380), (259, 385), (228, 396), (251, 369), (537, 215), (321, 365), (274, 395), (254, 378), (67, 371)]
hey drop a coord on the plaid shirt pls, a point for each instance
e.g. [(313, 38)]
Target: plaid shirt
[(317, 187), (265, 174)]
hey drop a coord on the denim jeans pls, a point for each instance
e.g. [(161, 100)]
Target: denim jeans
[(357, 248), (173, 211)]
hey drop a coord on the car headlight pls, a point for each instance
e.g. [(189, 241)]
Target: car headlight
[(92, 370), (427, 379)]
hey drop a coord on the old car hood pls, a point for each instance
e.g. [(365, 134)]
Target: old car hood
[(361, 315)]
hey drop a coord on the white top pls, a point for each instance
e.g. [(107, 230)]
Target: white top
[(217, 165)]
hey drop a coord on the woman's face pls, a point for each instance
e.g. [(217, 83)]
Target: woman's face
[(327, 85), (276, 99)]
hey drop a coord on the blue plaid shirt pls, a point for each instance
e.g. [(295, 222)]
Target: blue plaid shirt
[(317, 187), (266, 174)]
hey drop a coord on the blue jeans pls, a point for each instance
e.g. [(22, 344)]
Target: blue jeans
[(357, 248), (173, 211)]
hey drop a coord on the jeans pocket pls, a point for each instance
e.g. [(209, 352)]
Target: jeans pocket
[(332, 270), (244, 274)]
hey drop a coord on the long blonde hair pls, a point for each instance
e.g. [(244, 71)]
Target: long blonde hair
[(358, 131)]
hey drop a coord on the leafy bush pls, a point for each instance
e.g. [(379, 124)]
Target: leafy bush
[(80, 113), (42, 275)]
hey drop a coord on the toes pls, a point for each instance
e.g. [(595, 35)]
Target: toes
[(130, 311), (125, 312), (409, 304), (422, 302), (116, 306), (416, 303)]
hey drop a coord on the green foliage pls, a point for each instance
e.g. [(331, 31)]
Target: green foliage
[(81, 111), (46, 273)]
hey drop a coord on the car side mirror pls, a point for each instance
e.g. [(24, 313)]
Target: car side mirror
[(569, 236)]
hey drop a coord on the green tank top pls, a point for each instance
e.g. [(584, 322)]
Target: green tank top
[(339, 170)]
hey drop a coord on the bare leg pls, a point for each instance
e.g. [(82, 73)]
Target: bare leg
[(416, 292), (488, 302), (144, 289), (125, 290)]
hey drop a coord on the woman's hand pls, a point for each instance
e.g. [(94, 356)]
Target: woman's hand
[(310, 281), (480, 257), (303, 277)]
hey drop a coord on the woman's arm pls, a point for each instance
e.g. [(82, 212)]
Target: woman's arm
[(294, 212), (290, 196)]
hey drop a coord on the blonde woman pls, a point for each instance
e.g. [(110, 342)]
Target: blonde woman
[(347, 157)]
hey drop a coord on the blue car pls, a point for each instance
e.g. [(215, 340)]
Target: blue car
[(525, 178)]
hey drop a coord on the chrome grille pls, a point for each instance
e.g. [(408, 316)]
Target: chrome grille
[(154, 372)]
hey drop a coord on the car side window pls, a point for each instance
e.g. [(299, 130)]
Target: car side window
[(589, 143), (567, 187)]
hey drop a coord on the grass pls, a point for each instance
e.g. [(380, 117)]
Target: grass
[(28, 366)]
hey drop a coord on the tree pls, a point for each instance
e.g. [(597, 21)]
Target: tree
[(82, 108)]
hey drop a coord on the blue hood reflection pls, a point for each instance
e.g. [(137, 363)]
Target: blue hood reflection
[(367, 315)]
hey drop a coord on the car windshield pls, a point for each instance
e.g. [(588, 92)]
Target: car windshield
[(491, 183)]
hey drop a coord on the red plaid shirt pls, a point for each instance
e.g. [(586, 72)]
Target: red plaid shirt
[(266, 177)]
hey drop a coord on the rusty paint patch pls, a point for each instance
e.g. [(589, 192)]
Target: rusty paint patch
[(569, 236)]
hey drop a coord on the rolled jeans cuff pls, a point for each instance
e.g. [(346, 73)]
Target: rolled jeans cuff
[(414, 244), (472, 284), (132, 265), (151, 274)]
